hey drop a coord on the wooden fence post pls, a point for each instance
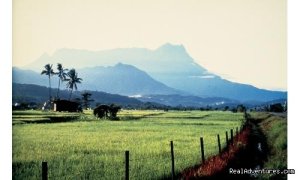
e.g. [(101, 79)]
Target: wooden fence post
[(44, 171), (126, 165), (202, 149), (231, 135), (219, 144), (227, 142), (172, 161)]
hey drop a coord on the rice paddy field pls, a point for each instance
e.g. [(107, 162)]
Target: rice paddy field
[(79, 146)]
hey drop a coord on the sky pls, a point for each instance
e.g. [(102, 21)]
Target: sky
[(241, 40)]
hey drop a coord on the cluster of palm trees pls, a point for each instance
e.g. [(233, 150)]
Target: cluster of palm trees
[(64, 75)]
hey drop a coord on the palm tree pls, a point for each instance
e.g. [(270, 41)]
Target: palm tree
[(72, 80), (48, 71), (61, 75)]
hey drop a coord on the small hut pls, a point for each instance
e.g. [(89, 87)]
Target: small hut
[(65, 105)]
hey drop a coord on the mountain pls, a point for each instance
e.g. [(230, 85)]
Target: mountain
[(188, 101), (122, 79), (39, 94), (168, 64), (28, 77), (164, 60), (119, 79)]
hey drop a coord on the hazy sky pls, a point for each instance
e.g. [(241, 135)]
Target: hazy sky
[(240, 40)]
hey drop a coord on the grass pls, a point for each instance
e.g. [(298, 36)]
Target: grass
[(94, 149), (275, 129), (33, 116)]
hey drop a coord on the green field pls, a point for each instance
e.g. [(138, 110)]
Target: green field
[(87, 148)]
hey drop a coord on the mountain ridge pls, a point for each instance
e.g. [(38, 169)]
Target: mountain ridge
[(118, 79), (168, 64)]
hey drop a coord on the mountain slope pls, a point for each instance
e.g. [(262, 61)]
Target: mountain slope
[(39, 94), (29, 77), (119, 79), (122, 79), (169, 64), (188, 101)]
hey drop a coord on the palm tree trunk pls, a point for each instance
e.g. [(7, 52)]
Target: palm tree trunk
[(49, 89), (71, 94), (58, 89)]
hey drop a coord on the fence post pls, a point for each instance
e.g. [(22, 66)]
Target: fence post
[(172, 161), (202, 149), (44, 171), (227, 142), (126, 165), (219, 144), (231, 135)]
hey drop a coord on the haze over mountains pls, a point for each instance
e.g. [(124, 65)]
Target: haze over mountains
[(167, 70)]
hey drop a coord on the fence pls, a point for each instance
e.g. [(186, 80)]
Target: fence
[(128, 161)]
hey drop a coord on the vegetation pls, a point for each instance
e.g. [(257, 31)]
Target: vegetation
[(216, 167), (86, 99), (37, 116), (238, 108), (108, 112), (61, 73), (275, 129), (93, 149), (48, 71), (72, 81), (277, 108), (113, 110)]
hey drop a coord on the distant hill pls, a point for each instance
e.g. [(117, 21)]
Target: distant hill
[(169, 64), (30, 77), (191, 101), (119, 79), (39, 94), (122, 79)]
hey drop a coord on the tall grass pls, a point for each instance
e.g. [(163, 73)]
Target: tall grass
[(94, 149), (275, 129)]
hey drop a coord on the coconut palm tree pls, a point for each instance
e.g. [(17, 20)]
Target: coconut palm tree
[(72, 81), (61, 75), (48, 71)]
